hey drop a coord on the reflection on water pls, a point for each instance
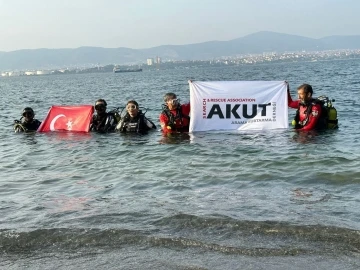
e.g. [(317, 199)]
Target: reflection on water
[(27, 138), (313, 136), (65, 203), (175, 138), (135, 138), (60, 136), (302, 196)]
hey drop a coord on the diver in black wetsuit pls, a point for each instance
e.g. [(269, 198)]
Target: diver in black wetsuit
[(134, 120), (103, 121), (27, 123)]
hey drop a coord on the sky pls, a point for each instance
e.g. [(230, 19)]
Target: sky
[(33, 24)]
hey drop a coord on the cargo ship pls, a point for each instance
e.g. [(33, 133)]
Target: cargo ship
[(119, 70)]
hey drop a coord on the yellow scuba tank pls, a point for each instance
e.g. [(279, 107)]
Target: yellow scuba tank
[(332, 117)]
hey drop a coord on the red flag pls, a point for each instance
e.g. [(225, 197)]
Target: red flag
[(71, 118)]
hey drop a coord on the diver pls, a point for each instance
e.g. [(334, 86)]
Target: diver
[(134, 120), (27, 123), (175, 116), (310, 114), (103, 121)]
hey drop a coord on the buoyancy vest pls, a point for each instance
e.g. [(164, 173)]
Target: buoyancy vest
[(138, 124), (328, 116), (177, 122), (105, 123)]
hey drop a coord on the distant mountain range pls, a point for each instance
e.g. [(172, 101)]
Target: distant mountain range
[(255, 43)]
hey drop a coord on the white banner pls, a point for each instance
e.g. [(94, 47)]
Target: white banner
[(238, 105)]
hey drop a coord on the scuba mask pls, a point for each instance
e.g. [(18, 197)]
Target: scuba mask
[(100, 107), (174, 101), (28, 114), (131, 107)]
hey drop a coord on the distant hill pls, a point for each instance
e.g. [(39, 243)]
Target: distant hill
[(255, 43)]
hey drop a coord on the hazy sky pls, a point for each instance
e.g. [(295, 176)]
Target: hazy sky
[(30, 24)]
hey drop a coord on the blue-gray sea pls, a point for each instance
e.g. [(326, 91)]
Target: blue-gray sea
[(273, 199)]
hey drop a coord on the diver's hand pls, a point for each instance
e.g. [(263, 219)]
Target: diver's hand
[(287, 86)]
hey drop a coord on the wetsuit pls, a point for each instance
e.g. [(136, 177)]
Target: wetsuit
[(138, 124), (23, 126), (176, 120), (103, 123), (308, 116)]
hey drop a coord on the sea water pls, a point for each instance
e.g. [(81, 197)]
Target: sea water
[(274, 199)]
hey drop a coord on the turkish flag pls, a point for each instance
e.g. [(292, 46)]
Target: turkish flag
[(71, 118)]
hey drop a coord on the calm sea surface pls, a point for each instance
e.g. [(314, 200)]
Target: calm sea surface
[(216, 200)]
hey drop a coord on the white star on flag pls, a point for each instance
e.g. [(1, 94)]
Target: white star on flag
[(69, 124)]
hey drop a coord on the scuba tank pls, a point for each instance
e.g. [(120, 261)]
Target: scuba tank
[(332, 121)]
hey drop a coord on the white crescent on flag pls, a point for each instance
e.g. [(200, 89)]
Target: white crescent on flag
[(52, 124)]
